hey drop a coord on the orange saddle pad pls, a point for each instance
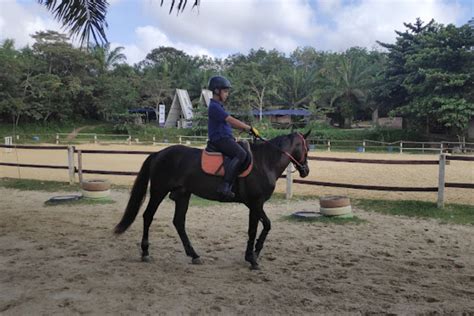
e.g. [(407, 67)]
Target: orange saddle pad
[(213, 163)]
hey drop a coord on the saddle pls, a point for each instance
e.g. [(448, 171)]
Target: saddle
[(213, 162)]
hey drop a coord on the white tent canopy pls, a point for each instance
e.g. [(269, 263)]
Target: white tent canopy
[(181, 111), (206, 96)]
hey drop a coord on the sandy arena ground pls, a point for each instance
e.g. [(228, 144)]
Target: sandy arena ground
[(64, 260), (337, 172)]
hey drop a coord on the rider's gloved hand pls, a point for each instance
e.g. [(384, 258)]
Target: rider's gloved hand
[(254, 132)]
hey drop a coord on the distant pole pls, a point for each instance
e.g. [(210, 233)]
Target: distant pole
[(79, 165), (70, 158), (289, 181), (441, 180), (329, 145), (401, 147)]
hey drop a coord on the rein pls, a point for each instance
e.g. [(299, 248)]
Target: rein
[(292, 159)]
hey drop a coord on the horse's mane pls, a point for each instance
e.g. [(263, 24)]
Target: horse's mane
[(267, 151)]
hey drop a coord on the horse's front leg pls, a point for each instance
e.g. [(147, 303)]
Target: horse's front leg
[(250, 256), (266, 228)]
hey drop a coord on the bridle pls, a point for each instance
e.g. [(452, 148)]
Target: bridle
[(292, 159)]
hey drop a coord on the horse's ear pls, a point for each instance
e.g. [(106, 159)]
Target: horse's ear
[(307, 134)]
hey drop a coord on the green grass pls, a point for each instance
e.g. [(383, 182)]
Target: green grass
[(47, 131), (82, 201), (200, 202), (37, 185), (325, 220), (452, 213), (46, 186)]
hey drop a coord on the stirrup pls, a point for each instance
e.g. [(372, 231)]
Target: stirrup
[(225, 190)]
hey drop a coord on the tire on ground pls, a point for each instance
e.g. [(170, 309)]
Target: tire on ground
[(95, 185), (335, 211), (334, 201), (95, 194)]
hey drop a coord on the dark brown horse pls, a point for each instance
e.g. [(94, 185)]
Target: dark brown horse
[(177, 170)]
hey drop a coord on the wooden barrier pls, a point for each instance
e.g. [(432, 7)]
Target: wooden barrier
[(72, 170)]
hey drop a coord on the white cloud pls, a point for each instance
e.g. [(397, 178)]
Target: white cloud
[(237, 26), (149, 37), (19, 21), (364, 22)]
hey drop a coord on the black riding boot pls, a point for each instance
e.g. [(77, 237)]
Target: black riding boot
[(225, 188)]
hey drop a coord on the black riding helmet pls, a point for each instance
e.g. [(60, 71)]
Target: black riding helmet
[(218, 83)]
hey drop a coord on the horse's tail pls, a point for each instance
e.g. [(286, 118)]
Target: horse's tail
[(136, 197)]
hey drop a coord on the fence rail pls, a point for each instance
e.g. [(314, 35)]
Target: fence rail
[(315, 143), (72, 169)]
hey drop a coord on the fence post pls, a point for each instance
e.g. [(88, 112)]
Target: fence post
[(363, 146), (129, 139), (95, 138), (289, 181), (70, 158), (57, 139), (441, 148), (8, 142), (154, 141), (423, 148), (79, 165), (180, 141), (441, 178), (329, 145), (401, 147)]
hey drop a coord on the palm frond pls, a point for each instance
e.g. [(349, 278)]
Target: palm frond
[(82, 18), (181, 5)]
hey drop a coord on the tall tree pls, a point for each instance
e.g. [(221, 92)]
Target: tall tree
[(255, 77), (349, 79), (430, 76)]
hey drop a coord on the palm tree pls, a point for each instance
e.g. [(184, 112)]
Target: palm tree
[(349, 80), (86, 18), (108, 59)]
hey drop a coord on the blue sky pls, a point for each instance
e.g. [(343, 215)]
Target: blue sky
[(222, 27)]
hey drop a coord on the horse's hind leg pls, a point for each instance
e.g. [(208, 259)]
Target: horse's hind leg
[(182, 202), (155, 200)]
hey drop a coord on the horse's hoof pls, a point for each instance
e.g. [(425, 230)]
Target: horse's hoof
[(146, 259), (255, 267), (196, 261)]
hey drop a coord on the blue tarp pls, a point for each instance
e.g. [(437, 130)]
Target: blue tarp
[(300, 112)]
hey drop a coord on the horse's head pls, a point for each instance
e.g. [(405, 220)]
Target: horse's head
[(299, 151)]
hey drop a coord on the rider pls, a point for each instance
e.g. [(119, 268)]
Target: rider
[(220, 132)]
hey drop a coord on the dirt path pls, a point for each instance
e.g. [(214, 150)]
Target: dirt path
[(64, 260), (76, 131)]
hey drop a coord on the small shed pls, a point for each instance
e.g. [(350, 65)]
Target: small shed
[(180, 114), (282, 117), (206, 96), (146, 114)]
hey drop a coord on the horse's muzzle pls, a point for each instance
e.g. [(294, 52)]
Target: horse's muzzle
[(304, 171)]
